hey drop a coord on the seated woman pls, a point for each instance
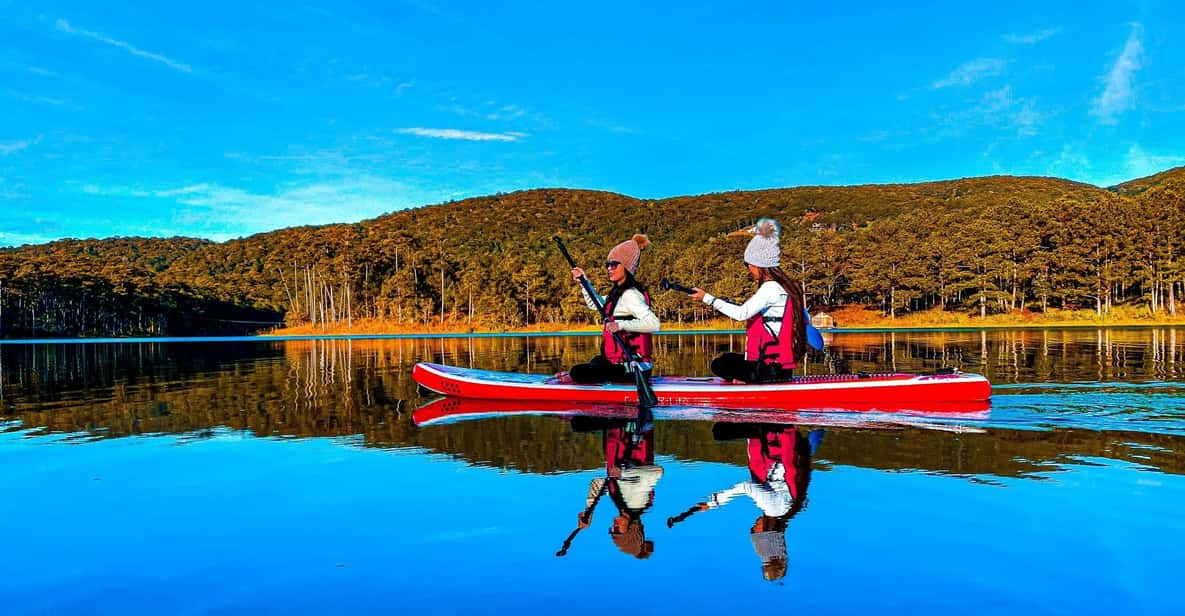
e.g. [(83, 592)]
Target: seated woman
[(775, 330), (627, 312)]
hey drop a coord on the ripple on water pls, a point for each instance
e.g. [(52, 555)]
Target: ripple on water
[(1133, 407)]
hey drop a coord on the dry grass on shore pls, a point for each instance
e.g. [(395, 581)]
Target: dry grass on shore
[(847, 317), (854, 316)]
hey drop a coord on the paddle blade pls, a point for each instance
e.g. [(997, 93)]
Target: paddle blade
[(563, 249), (813, 336), (645, 419), (646, 395)]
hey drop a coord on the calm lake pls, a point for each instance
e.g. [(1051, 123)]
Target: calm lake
[(282, 477)]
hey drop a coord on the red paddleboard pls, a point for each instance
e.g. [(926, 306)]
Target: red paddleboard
[(824, 391)]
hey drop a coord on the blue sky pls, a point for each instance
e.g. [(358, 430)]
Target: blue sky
[(219, 120)]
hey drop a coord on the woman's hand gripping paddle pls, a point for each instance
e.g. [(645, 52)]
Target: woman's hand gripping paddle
[(667, 285)]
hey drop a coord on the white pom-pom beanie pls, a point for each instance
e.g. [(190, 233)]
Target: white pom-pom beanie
[(763, 249)]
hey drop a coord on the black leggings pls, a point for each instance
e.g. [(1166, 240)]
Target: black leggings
[(600, 370), (734, 366)]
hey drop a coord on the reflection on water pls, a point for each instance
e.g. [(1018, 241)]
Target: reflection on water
[(629, 481), (1041, 410), (779, 458), (779, 465), (317, 465)]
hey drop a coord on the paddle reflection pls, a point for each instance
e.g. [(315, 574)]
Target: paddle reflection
[(779, 460), (630, 478)]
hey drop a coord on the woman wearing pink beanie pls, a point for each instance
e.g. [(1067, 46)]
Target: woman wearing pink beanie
[(772, 346), (627, 311)]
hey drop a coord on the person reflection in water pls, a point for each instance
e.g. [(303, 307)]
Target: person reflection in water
[(629, 482), (779, 473)]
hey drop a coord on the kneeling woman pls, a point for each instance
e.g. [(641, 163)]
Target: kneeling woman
[(775, 331), (627, 312)]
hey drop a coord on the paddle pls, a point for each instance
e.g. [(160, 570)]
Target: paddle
[(672, 521), (583, 519), (646, 395), (667, 285), (643, 423)]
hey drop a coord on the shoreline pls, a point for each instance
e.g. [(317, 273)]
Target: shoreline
[(278, 336)]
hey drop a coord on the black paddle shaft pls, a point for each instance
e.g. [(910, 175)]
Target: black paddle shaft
[(669, 285), (672, 521), (583, 519), (674, 286)]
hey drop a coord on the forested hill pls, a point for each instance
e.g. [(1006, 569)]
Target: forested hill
[(1137, 186), (977, 245)]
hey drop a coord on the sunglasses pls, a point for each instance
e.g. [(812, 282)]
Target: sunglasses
[(612, 264)]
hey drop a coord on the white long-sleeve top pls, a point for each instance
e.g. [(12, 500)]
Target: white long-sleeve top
[(632, 306), (636, 485), (768, 301), (773, 498)]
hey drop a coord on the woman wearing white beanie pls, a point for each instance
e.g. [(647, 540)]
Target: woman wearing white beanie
[(772, 346)]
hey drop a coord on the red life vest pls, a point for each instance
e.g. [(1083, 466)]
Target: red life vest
[(621, 450), (779, 349), (788, 447), (642, 344)]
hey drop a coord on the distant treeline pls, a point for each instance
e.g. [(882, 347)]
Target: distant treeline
[(977, 246)]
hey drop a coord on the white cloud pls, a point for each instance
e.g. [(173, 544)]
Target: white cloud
[(381, 81), (225, 212), (44, 72), (466, 135), (1140, 163), (494, 110), (311, 204), (12, 147), (35, 98), (995, 101), (998, 109), (612, 127), (17, 239), (971, 72), (7, 192), (1118, 92), (184, 190), (1137, 162), (1071, 162), (64, 26), (459, 109), (1031, 38), (506, 112), (1026, 119)]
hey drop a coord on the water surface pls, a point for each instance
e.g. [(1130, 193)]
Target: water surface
[(291, 476)]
